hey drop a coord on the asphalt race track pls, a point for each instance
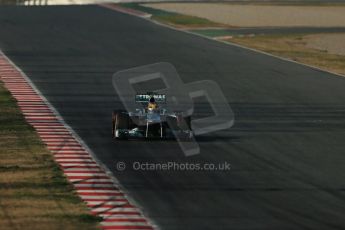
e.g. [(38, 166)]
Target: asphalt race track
[(286, 148)]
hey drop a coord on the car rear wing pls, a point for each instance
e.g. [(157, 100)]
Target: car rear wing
[(145, 98)]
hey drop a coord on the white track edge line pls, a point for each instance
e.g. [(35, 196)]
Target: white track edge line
[(79, 139), (232, 44)]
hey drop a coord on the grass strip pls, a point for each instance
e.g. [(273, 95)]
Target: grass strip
[(34, 194), (293, 47), (174, 19)]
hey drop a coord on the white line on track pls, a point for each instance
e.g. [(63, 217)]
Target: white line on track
[(93, 184)]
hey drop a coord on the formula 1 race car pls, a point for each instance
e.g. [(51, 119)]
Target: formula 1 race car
[(150, 121)]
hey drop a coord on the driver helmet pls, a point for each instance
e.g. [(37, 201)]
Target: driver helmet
[(152, 100)]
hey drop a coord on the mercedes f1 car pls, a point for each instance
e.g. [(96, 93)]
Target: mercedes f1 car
[(151, 120)]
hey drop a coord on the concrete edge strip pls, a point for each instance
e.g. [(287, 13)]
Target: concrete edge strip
[(93, 181), (231, 43)]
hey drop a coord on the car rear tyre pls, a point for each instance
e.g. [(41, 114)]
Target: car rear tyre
[(120, 121)]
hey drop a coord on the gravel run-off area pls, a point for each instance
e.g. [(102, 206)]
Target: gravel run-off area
[(332, 43), (261, 15)]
